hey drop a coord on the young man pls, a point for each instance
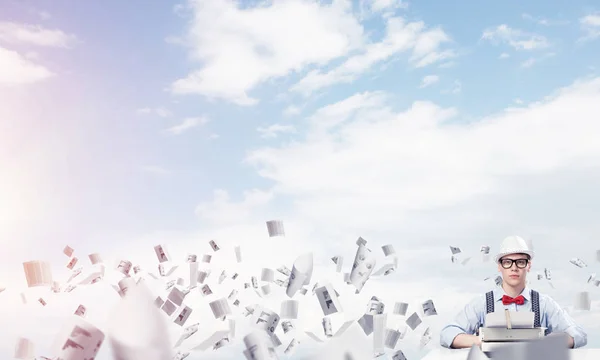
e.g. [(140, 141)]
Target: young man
[(514, 262)]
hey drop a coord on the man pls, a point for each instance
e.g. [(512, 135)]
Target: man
[(514, 262)]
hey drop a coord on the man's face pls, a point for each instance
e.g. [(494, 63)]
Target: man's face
[(514, 275)]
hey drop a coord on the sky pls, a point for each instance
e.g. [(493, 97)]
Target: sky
[(421, 124)]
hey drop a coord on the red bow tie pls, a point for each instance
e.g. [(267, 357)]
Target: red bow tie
[(519, 300)]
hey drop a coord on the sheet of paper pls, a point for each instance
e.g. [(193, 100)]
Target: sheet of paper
[(518, 319)]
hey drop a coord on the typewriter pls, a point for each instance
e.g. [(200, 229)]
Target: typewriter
[(507, 329)]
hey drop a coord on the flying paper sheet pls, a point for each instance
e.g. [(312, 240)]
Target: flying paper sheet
[(220, 308), (327, 329), (548, 274), (301, 271), (72, 262), (578, 262), (80, 311), (258, 347), (328, 299), (124, 266), (287, 326), (238, 254), (379, 322), (77, 340), (289, 309), (398, 355), (375, 306), (161, 253), (187, 333), (339, 262), (95, 258), (400, 308), (219, 344), (275, 228), (213, 245), (267, 275), (24, 349), (137, 330), (413, 321), (284, 270), (38, 273), (353, 344), (391, 338), (289, 350), (265, 320), (125, 284), (266, 289), (183, 315), (68, 251), (388, 250), (429, 308), (364, 263), (583, 301)]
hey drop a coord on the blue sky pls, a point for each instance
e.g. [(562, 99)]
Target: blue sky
[(91, 162), (123, 63)]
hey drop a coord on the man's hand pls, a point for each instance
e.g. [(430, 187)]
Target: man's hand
[(462, 341)]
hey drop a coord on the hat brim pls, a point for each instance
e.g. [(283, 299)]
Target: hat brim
[(526, 252)]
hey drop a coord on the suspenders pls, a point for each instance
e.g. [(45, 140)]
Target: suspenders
[(535, 306)]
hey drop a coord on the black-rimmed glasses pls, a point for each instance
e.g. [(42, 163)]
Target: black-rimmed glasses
[(507, 263)]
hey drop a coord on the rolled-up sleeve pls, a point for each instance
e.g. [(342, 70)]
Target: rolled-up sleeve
[(465, 322), (558, 320)]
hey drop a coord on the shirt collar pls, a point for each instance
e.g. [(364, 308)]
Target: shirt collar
[(499, 292)]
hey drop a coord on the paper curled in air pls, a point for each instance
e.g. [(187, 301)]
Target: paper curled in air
[(137, 330)]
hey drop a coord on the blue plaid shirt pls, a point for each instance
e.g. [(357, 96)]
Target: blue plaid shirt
[(552, 317)]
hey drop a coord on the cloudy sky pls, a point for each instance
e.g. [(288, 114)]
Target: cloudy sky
[(421, 124)]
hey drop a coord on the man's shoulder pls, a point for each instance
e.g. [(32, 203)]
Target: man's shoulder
[(480, 299), (544, 298)]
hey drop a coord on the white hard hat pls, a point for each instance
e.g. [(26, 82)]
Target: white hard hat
[(515, 245)]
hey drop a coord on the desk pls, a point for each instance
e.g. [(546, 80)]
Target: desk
[(461, 354)]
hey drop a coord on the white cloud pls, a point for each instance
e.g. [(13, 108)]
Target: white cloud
[(528, 63), (423, 45), (515, 38), (187, 124), (37, 35), (544, 21), (347, 154), (504, 56), (292, 110), (456, 88), (410, 178), (159, 111), (590, 24), (274, 130), (534, 60), (383, 7), (222, 211), (18, 70), (429, 80), (242, 48)]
